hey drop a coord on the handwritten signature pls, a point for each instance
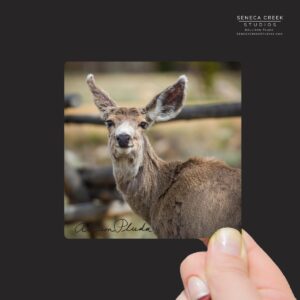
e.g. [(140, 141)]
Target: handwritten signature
[(119, 225)]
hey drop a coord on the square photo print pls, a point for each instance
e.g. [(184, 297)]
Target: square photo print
[(151, 149)]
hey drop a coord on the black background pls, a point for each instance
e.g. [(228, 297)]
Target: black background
[(40, 263)]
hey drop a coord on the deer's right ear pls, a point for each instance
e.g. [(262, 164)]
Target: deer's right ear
[(168, 104), (101, 99)]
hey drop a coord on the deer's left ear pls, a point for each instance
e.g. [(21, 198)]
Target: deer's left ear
[(168, 104), (101, 99)]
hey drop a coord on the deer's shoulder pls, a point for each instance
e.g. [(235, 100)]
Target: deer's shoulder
[(197, 170)]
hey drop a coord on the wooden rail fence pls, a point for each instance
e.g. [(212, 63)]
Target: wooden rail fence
[(190, 112)]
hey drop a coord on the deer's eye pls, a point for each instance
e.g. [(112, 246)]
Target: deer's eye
[(144, 125), (109, 123)]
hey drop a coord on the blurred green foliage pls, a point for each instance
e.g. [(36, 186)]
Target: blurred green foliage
[(206, 71)]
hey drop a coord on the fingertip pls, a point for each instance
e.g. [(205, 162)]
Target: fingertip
[(226, 268), (227, 241), (197, 288), (193, 265)]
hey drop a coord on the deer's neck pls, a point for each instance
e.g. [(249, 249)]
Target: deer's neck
[(143, 178)]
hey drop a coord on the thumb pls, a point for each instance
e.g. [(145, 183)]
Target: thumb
[(226, 267)]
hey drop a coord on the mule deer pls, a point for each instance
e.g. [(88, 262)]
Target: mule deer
[(190, 199)]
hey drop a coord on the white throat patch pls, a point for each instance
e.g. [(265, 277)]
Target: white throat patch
[(127, 168)]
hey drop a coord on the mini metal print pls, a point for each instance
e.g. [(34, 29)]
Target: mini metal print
[(152, 149)]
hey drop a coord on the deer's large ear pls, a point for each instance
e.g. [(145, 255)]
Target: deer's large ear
[(101, 99), (168, 104)]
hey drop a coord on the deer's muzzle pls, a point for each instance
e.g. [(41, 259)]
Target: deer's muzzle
[(123, 140)]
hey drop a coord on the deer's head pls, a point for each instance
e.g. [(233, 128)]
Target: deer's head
[(126, 125)]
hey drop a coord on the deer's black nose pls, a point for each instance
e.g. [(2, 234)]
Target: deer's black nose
[(123, 140)]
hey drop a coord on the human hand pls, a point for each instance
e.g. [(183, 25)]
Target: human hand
[(233, 268)]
